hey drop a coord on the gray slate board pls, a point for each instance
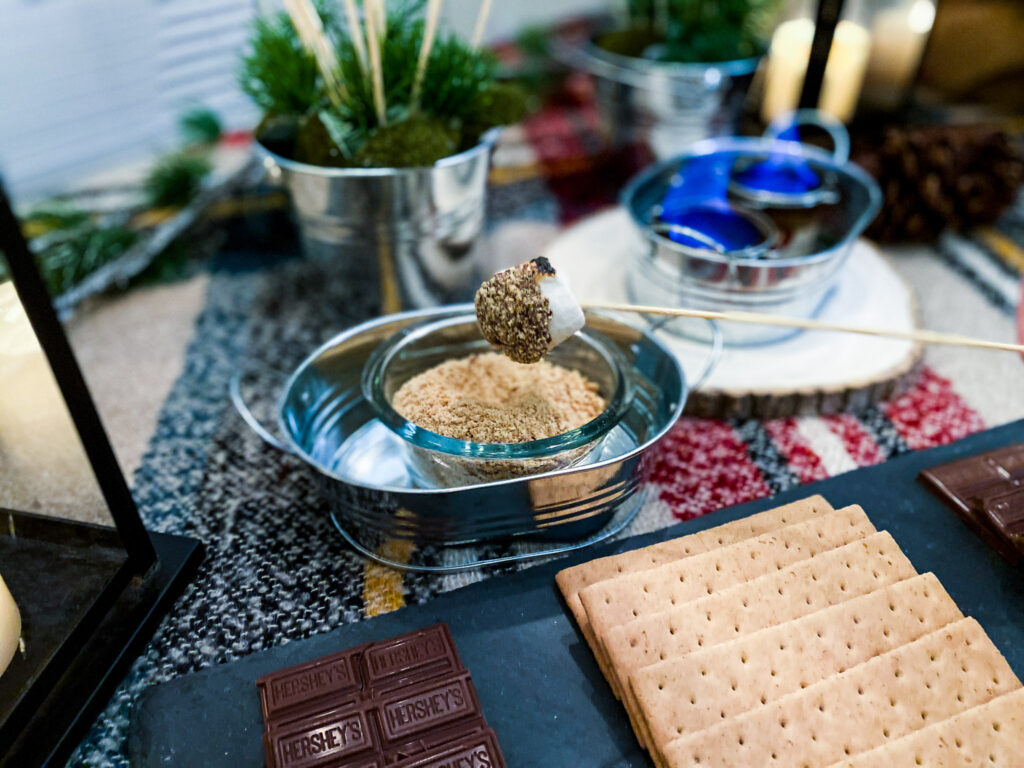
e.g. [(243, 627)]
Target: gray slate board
[(539, 686)]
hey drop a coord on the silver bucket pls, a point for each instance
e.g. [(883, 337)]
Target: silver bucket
[(413, 229), (667, 106)]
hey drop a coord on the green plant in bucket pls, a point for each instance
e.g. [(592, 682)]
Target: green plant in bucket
[(693, 31), (384, 89)]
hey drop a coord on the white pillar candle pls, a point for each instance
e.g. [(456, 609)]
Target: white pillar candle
[(898, 37), (10, 626), (787, 64)]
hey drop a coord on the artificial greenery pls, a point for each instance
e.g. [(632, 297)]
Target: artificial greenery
[(71, 246), (691, 31), (277, 73), (70, 243), (175, 179), (201, 127), (459, 98)]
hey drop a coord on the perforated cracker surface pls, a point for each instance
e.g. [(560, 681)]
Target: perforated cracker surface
[(687, 694), (806, 586), (933, 678), (989, 735), (572, 580), (619, 600)]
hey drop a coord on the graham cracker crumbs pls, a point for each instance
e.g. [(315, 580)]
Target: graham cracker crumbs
[(488, 398)]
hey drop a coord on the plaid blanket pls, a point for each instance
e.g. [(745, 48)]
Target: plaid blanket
[(277, 571)]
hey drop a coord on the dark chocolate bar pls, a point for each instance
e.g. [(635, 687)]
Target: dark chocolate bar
[(343, 678), (392, 725), (416, 656), (406, 712), (987, 493), (343, 736), (476, 750), (337, 678), (407, 700)]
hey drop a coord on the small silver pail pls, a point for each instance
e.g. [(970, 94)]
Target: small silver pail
[(414, 229), (666, 105)]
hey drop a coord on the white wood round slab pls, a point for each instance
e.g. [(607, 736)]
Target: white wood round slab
[(813, 372)]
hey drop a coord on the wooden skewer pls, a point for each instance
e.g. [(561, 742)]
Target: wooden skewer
[(757, 318), (429, 31), (355, 31), (481, 23), (307, 24), (373, 12)]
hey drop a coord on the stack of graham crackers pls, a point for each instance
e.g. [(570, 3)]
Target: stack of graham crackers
[(802, 637)]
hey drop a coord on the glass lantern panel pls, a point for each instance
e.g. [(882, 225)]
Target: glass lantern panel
[(61, 556)]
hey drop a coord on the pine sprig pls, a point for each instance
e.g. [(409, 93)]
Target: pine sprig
[(277, 73), (703, 30), (455, 77), (456, 95)]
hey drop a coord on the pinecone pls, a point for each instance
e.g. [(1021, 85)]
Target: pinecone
[(934, 177)]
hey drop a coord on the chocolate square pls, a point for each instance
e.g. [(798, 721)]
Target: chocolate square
[(987, 493)]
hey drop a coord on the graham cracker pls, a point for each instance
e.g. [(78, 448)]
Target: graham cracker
[(935, 677), (617, 601), (806, 586), (991, 734), (683, 695), (572, 580)]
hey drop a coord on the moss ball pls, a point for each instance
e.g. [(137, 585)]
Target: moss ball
[(415, 142), (314, 145)]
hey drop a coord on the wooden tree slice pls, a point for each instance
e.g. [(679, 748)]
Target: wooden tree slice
[(810, 373)]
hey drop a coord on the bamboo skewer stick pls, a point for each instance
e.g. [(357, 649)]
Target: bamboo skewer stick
[(374, 10), (310, 29), (920, 336), (481, 23), (382, 17), (429, 32), (355, 31)]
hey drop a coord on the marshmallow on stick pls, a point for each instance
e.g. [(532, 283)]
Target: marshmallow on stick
[(527, 310)]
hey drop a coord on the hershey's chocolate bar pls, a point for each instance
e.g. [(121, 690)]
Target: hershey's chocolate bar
[(477, 750), (396, 724), (343, 736), (343, 678), (414, 656), (337, 677), (987, 493), (406, 712)]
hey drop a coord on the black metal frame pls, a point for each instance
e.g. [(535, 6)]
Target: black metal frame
[(58, 707)]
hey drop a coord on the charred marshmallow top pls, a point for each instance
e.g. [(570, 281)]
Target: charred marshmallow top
[(527, 310)]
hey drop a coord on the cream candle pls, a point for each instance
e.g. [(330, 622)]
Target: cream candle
[(787, 64), (10, 626), (898, 37)]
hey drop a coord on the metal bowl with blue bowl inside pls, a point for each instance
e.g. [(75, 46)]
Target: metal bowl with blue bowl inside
[(746, 224)]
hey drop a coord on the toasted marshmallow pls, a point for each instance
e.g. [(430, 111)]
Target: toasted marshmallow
[(527, 310)]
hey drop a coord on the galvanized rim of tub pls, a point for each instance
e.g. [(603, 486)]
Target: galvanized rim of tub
[(651, 74), (487, 142)]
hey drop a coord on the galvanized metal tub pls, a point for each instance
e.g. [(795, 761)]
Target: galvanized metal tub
[(324, 419), (667, 106), (665, 273), (415, 230)]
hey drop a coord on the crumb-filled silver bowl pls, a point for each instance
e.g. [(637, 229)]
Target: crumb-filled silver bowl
[(442, 461), (364, 473)]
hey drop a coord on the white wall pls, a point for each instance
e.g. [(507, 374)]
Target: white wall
[(86, 85)]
